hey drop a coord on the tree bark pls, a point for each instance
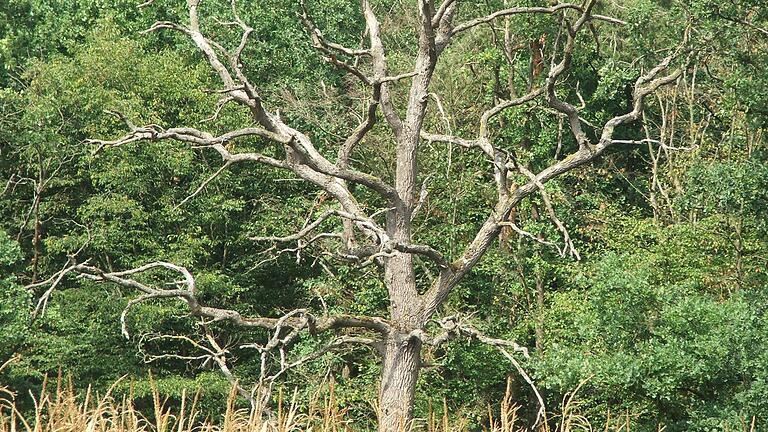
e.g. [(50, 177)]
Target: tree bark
[(402, 351), (402, 363)]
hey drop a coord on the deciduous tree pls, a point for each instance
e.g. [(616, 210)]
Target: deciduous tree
[(368, 219)]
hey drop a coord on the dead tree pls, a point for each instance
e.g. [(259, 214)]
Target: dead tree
[(401, 336)]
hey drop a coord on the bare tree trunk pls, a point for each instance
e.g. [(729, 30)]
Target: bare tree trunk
[(402, 351), (402, 363)]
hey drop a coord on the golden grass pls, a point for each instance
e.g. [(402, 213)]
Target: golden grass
[(63, 410)]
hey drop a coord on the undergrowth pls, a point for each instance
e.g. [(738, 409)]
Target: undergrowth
[(64, 410)]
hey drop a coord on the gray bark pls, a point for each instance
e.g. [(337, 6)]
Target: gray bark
[(400, 371)]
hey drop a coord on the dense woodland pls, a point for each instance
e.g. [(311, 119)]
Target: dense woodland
[(638, 275)]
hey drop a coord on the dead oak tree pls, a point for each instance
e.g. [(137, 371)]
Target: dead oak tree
[(401, 336)]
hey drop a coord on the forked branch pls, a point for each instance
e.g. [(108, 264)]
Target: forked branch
[(453, 328), (531, 10), (645, 85), (185, 290)]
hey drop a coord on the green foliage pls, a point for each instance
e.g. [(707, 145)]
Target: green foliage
[(15, 301), (664, 316), (662, 350)]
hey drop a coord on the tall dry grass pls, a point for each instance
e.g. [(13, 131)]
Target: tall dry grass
[(63, 410)]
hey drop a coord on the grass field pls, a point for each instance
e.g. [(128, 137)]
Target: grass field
[(59, 408)]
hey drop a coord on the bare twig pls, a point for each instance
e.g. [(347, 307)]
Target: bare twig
[(454, 327)]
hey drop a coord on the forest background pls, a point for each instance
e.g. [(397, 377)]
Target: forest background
[(662, 317)]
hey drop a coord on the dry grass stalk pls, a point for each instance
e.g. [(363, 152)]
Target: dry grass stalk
[(66, 411)]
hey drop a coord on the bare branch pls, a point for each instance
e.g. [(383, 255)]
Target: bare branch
[(423, 250), (441, 11), (319, 39), (219, 106), (500, 107), (329, 49), (203, 44), (555, 72), (394, 78), (193, 136), (379, 63), (335, 344), (524, 233), (211, 353), (298, 143), (453, 327), (203, 184), (569, 248), (529, 10), (466, 143), (54, 282), (386, 244), (483, 140), (186, 291), (745, 22), (247, 30), (645, 85), (238, 86), (345, 152), (366, 222), (363, 128)]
